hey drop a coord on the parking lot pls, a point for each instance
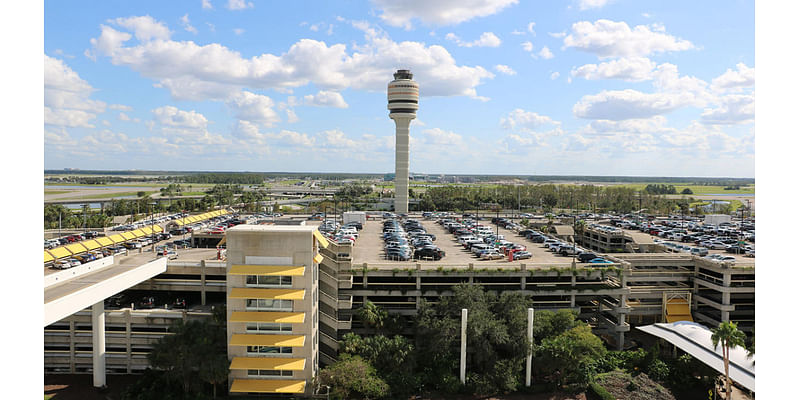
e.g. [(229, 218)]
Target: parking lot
[(369, 247)]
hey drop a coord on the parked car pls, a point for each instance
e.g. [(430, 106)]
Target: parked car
[(521, 255), (699, 251), (429, 252), (600, 260), (586, 257), (492, 255)]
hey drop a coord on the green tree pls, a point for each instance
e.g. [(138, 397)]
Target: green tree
[(393, 358), (687, 191), (353, 378), (565, 356), (729, 335), (195, 352), (372, 315)]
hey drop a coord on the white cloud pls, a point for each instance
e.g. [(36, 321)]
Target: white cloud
[(291, 117), (187, 25), (616, 39), (530, 28), (504, 69), (631, 69), (145, 28), (194, 72), (173, 117), (239, 4), (743, 77), (526, 121), (325, 98), (439, 136), (557, 35), (287, 138), (732, 109), (207, 5), (440, 12), (647, 15), (693, 90), (517, 32), (123, 117), (66, 96), (253, 108), (589, 4), (238, 31), (527, 46), (487, 39), (545, 53), (554, 75), (618, 105), (120, 107)]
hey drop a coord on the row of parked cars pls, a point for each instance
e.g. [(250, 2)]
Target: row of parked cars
[(407, 239), (483, 242), (341, 234), (53, 243), (563, 248), (149, 221)]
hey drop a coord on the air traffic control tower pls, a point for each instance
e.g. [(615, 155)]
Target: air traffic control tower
[(403, 104)]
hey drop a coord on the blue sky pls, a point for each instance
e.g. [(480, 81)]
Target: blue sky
[(581, 87)]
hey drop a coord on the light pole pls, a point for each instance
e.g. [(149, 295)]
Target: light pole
[(152, 229)]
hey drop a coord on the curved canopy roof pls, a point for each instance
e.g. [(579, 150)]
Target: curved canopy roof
[(695, 339)]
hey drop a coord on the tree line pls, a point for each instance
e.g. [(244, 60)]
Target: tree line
[(567, 356)]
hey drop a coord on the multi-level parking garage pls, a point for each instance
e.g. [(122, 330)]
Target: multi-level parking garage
[(636, 288)]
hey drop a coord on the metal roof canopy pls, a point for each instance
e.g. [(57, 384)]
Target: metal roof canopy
[(695, 339)]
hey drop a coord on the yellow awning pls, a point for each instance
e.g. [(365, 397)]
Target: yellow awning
[(269, 270), (268, 340), (116, 238), (90, 244), (48, 257), (267, 386), (678, 309), (318, 258), (138, 233), (75, 248), (104, 241), (192, 218), (268, 316), (158, 228), (321, 239), (254, 293), (178, 222), (147, 230), (268, 363), (60, 252), (128, 235)]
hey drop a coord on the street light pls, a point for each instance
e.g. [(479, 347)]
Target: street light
[(152, 228)]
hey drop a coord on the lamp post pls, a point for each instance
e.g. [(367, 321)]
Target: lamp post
[(152, 228)]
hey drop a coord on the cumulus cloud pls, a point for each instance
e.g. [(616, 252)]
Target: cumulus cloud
[(253, 108), (487, 39), (618, 105), (207, 5), (545, 53), (527, 46), (440, 12), (631, 69), (526, 121), (325, 98), (554, 75), (173, 117), (504, 69), (616, 39), (743, 77), (198, 72), (239, 4), (145, 28), (187, 26), (437, 136), (732, 109), (584, 5), (530, 28), (67, 101)]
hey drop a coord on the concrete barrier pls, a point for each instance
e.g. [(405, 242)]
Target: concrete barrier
[(74, 272)]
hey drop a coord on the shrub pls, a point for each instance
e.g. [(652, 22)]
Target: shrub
[(601, 392), (658, 370)]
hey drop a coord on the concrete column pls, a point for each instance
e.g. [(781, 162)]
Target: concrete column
[(99, 344), (128, 351), (463, 366), (529, 358), (72, 346), (202, 282)]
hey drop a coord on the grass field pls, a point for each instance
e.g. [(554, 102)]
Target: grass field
[(111, 195), (696, 189), (56, 191)]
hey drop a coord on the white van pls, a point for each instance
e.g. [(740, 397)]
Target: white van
[(699, 251)]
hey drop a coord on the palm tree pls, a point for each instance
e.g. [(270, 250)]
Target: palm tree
[(372, 315), (730, 336)]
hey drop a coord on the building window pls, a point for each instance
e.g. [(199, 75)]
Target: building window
[(268, 281), (263, 372), (269, 327), (269, 305), (252, 350)]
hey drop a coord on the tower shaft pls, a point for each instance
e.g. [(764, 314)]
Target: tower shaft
[(403, 96)]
